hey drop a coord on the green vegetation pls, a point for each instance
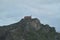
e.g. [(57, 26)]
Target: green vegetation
[(23, 30)]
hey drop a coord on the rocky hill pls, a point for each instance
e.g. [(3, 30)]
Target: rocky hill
[(28, 29)]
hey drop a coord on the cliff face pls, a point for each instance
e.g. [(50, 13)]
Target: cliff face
[(28, 29)]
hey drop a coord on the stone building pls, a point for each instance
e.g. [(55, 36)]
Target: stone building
[(27, 17)]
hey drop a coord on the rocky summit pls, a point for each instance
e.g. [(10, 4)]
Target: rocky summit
[(28, 28)]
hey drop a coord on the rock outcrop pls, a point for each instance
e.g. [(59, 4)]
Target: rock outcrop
[(28, 29)]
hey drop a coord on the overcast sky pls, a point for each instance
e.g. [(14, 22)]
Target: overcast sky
[(48, 11)]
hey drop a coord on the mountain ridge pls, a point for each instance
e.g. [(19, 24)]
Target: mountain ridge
[(28, 28)]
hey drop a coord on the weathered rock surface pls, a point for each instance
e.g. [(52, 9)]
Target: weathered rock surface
[(28, 29)]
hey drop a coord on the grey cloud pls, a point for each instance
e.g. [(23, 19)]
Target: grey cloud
[(46, 10)]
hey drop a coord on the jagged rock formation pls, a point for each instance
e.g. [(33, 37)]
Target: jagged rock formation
[(28, 29)]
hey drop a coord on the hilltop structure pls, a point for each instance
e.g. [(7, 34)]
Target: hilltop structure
[(27, 17)]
